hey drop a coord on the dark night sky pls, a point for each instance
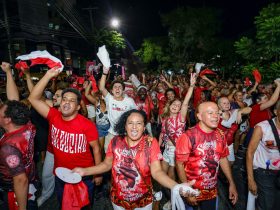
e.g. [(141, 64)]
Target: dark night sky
[(141, 18)]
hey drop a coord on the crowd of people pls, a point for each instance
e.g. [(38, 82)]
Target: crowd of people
[(162, 128)]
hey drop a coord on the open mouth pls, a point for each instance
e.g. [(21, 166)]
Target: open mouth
[(134, 133), (66, 107)]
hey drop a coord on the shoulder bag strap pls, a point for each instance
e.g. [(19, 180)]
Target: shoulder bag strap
[(166, 132), (275, 133)]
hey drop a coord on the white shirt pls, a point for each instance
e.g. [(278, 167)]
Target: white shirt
[(116, 109), (267, 153)]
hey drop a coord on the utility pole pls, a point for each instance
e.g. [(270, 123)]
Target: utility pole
[(7, 26), (90, 10)]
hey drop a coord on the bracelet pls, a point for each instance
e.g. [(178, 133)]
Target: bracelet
[(104, 74)]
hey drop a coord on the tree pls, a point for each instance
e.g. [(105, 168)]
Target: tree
[(191, 33), (191, 37), (154, 53), (113, 40), (263, 51)]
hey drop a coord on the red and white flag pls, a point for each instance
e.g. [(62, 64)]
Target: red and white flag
[(42, 57)]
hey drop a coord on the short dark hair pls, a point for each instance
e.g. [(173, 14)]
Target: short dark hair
[(75, 91), (18, 112), (61, 85), (120, 126), (170, 90), (117, 81), (259, 97)]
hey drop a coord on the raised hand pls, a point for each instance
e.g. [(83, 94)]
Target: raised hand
[(105, 70), (6, 67), (53, 72), (193, 79)]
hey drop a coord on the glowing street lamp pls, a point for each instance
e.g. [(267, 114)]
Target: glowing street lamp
[(115, 23)]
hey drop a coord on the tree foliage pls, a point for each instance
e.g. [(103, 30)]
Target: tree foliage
[(154, 52), (263, 51), (192, 37), (113, 40), (191, 33)]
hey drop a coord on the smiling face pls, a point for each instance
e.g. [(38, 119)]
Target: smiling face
[(170, 95), (57, 98), (208, 115), (175, 107), (160, 88), (142, 93), (224, 104), (238, 96), (69, 105), (135, 126)]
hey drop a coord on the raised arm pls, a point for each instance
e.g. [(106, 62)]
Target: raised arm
[(89, 97), (273, 99), (102, 83), (253, 88), (143, 78), (187, 98), (212, 83), (83, 109), (11, 87), (35, 96), (163, 79), (29, 82)]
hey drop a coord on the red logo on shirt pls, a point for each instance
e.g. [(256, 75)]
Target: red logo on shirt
[(12, 161)]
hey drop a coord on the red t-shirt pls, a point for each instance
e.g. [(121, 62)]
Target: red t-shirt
[(16, 155), (147, 106), (128, 163), (197, 95), (229, 132), (256, 115), (70, 140), (201, 153), (177, 90)]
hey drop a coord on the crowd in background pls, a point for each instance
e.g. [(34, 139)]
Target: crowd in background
[(174, 128)]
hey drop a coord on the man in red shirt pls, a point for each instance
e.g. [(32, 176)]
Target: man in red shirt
[(72, 135), (17, 168), (199, 152)]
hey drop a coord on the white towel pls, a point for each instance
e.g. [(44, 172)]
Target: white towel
[(176, 199), (103, 56)]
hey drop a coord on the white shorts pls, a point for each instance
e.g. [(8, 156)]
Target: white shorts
[(169, 154), (231, 156), (148, 207)]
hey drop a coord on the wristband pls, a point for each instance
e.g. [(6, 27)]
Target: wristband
[(104, 74)]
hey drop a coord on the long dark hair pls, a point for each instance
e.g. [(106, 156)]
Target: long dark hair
[(120, 126)]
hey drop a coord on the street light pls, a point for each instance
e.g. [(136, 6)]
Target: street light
[(115, 23)]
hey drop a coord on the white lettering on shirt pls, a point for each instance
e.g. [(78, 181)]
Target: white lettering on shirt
[(68, 142)]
